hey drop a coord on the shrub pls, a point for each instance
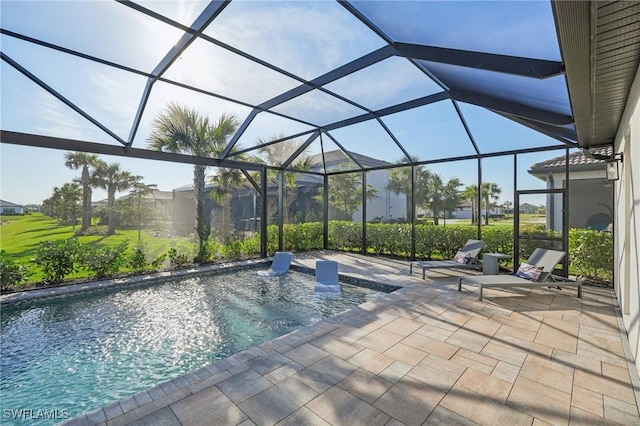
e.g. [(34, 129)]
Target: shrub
[(139, 261), (11, 273), (591, 253), (177, 260), (232, 250), (103, 262), (57, 259)]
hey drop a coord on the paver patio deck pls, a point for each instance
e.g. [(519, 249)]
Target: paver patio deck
[(425, 354)]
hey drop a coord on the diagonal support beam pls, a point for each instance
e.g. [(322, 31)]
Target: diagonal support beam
[(512, 108), (300, 149), (212, 10), (236, 136), (59, 96), (336, 74), (525, 67)]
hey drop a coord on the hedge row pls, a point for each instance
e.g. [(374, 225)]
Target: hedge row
[(590, 253)]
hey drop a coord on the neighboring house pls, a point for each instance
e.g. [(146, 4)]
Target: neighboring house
[(464, 210), (590, 195), (8, 208), (526, 208), (387, 206), (246, 207), (160, 201)]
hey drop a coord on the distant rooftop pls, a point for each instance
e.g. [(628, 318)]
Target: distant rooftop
[(577, 161)]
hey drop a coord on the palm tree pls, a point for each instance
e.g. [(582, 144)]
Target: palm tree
[(489, 191), (112, 178), (276, 155), (400, 182), (69, 200), (222, 182), (471, 193), (75, 161), (184, 130), (438, 196)]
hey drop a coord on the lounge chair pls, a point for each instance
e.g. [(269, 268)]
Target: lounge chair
[(327, 277), (466, 257), (280, 265), (537, 271)]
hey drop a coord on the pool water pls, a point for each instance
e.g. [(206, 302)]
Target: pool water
[(82, 352)]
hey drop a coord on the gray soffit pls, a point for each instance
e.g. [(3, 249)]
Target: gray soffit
[(600, 43)]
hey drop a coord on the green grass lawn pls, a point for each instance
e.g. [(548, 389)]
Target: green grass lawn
[(20, 236)]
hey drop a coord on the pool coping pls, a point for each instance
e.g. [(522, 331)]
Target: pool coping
[(89, 286)]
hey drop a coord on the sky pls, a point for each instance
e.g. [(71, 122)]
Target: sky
[(325, 37)]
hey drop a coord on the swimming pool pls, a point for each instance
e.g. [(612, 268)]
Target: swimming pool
[(82, 352)]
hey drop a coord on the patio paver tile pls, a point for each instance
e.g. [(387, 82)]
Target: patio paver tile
[(283, 372), (303, 416), (588, 401), (485, 385), (306, 354), (243, 385), (409, 401), (469, 339), (441, 416), (505, 371), (203, 384), (379, 340), (576, 361), (365, 385), (608, 387), (162, 417), (337, 346), (395, 371), (543, 371), (437, 372), (402, 326), (621, 412), (339, 407), (325, 373), (540, 401), (370, 360), (557, 339), (406, 354), (504, 352), (267, 363), (483, 410), (429, 345), (277, 402), (210, 403)]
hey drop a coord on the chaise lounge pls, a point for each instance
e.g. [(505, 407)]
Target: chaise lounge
[(537, 271), (466, 257), (280, 265)]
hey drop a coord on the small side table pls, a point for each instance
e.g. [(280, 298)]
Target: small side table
[(490, 262)]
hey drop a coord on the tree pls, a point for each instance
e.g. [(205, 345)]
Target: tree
[(508, 205), (75, 161), (180, 129), (471, 193), (490, 191), (139, 190), (223, 181), (276, 155), (112, 178), (345, 193), (400, 182), (438, 196), (69, 203)]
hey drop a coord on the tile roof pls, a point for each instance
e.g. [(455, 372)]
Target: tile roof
[(577, 160)]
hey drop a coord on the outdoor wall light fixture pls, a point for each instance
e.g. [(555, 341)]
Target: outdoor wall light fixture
[(612, 168)]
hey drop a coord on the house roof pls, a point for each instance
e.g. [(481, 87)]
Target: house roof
[(577, 162), (4, 203), (332, 158)]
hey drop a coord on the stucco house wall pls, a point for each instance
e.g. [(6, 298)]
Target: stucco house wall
[(627, 220)]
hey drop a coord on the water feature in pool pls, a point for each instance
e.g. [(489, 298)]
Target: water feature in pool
[(82, 352)]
